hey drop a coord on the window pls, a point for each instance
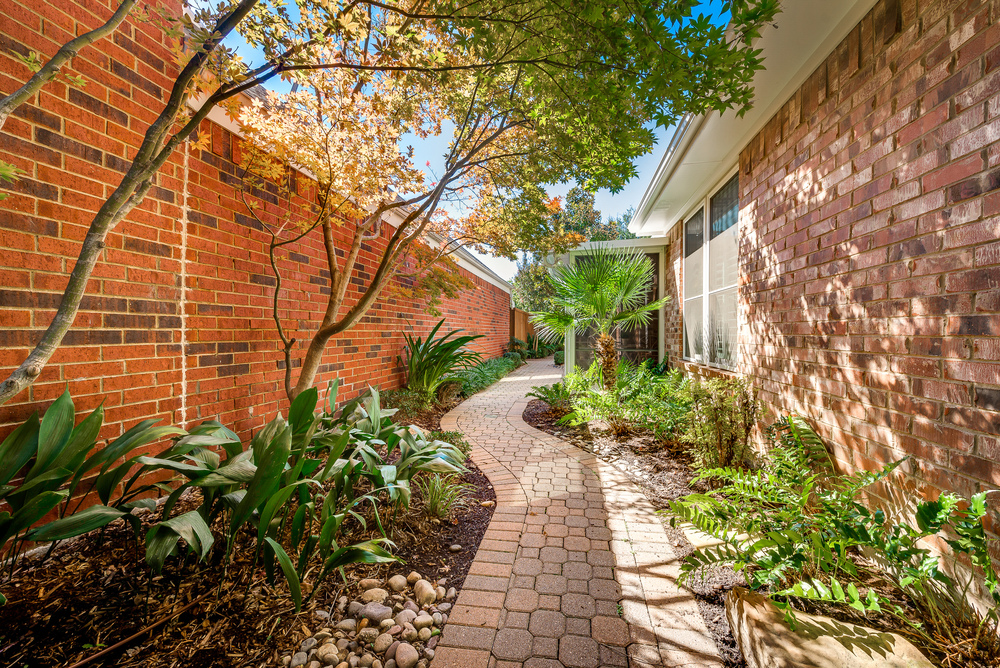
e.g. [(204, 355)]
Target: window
[(710, 275)]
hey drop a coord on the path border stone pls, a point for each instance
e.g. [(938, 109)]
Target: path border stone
[(497, 624)]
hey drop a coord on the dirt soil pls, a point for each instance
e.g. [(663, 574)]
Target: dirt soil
[(663, 475), (90, 595)]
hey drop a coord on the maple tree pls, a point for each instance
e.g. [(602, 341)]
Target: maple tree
[(580, 79)]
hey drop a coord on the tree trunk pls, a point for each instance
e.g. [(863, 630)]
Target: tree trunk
[(608, 357)]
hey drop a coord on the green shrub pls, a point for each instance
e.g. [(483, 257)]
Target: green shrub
[(557, 396), (481, 376), (455, 438), (409, 404), (724, 413), (433, 361), (443, 494), (638, 400), (514, 357), (559, 358), (60, 455), (796, 529)]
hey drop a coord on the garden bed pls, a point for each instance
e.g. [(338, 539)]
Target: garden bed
[(666, 475), (97, 591)]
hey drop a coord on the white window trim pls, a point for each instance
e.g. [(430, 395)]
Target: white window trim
[(704, 207)]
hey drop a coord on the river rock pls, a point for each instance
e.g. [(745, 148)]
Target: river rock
[(424, 635), (455, 547), (437, 619), (439, 593), (376, 612), (382, 643), (328, 654), (405, 617), (451, 593), (391, 652), (366, 661), (369, 583), (410, 605), (412, 577), (308, 644), (354, 608), (375, 594), (298, 659), (397, 583), (444, 607), (368, 635), (409, 633), (406, 656), (424, 592)]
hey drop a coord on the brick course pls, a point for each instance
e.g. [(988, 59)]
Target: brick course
[(176, 322), (870, 268)]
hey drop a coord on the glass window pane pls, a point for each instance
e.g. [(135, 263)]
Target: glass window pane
[(694, 254), (694, 232), (722, 324), (694, 337), (723, 247), (724, 260), (724, 207)]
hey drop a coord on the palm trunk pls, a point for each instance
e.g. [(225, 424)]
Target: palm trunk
[(608, 357)]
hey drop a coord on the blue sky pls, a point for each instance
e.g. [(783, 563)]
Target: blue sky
[(609, 204)]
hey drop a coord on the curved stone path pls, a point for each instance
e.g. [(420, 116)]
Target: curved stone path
[(575, 569)]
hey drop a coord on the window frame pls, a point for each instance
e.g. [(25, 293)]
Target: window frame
[(705, 207)]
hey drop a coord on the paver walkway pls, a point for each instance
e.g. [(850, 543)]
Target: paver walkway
[(575, 569)]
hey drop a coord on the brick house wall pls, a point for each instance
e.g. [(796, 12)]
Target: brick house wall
[(870, 249), (176, 323)]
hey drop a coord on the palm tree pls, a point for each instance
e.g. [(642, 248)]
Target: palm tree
[(604, 291)]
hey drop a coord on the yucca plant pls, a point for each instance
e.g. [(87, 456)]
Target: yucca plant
[(603, 293), (433, 361), (61, 455)]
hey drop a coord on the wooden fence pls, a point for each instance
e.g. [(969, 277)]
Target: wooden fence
[(520, 327)]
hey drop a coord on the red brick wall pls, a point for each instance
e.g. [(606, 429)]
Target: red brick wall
[(870, 254), (176, 322)]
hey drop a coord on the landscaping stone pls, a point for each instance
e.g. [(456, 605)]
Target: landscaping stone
[(424, 592), (381, 643), (767, 641), (376, 594), (397, 583), (375, 612), (406, 656)]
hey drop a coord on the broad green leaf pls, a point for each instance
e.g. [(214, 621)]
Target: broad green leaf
[(18, 448), (57, 425), (300, 414), (162, 538), (79, 523), (288, 568)]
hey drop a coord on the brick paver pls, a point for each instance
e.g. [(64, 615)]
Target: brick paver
[(575, 570)]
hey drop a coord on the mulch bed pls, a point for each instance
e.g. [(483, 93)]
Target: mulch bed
[(663, 475), (98, 591)]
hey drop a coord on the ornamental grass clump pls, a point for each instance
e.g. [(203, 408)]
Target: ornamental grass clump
[(799, 531)]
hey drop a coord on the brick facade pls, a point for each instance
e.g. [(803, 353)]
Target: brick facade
[(870, 249), (176, 323)]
